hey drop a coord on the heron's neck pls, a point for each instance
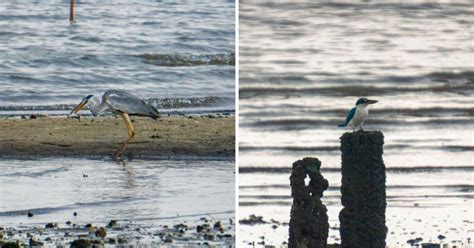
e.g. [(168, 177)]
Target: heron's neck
[(97, 106)]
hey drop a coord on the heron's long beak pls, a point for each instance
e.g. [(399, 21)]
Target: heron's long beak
[(78, 107), (371, 101)]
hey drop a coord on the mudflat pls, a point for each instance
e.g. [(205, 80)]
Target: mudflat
[(174, 136)]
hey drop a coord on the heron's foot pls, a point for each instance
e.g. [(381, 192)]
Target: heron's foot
[(118, 155)]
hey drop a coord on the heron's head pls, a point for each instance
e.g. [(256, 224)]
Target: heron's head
[(82, 104), (365, 101)]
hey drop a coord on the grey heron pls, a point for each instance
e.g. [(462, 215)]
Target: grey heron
[(120, 103)]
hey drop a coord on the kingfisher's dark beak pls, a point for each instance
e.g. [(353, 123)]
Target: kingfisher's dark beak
[(371, 101), (78, 107)]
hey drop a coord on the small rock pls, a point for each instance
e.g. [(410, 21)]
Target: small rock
[(168, 239), (181, 228), (30, 214), (68, 222), (209, 236), (75, 214), (9, 244), (122, 240), (81, 243), (206, 227), (112, 223), (101, 232), (33, 243), (161, 235), (218, 225), (51, 225), (441, 237), (430, 245)]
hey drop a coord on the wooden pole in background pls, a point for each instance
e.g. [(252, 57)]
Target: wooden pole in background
[(71, 12)]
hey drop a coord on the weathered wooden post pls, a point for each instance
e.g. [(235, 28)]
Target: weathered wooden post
[(309, 225), (362, 220), (71, 12)]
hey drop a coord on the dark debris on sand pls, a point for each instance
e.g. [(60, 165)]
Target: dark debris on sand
[(252, 220), (201, 232)]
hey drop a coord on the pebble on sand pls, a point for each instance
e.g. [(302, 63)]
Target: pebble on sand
[(101, 232), (51, 225)]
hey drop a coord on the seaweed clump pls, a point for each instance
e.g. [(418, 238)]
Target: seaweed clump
[(177, 59)]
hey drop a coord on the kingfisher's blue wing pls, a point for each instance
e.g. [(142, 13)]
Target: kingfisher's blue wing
[(348, 117)]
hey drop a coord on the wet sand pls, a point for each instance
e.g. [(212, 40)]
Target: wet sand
[(175, 136)]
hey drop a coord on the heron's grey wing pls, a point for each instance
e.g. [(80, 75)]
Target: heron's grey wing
[(125, 102)]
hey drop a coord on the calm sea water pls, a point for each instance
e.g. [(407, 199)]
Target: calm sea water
[(303, 64), (155, 49), (145, 194)]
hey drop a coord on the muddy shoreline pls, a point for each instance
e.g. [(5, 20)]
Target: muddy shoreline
[(204, 231), (209, 136)]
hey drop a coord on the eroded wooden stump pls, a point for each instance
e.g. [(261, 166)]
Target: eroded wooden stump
[(362, 220), (309, 220)]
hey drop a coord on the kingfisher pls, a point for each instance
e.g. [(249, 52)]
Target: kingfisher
[(357, 115)]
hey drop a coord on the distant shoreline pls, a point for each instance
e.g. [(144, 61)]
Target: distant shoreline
[(184, 137)]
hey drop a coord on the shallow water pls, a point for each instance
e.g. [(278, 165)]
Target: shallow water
[(299, 76), (145, 193), (46, 61)]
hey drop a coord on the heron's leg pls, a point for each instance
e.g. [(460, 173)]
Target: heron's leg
[(131, 133)]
